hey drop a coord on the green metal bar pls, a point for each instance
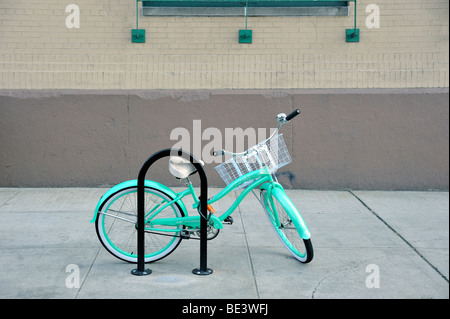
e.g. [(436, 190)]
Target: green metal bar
[(238, 182), (175, 221), (137, 36), (189, 221), (176, 199), (159, 210), (191, 190), (166, 230), (239, 3), (247, 190), (246, 10)]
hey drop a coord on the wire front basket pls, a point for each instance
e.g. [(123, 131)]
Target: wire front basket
[(272, 153)]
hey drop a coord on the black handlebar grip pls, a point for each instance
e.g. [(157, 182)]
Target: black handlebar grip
[(292, 115)]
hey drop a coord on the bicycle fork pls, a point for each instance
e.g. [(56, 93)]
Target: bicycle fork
[(275, 189)]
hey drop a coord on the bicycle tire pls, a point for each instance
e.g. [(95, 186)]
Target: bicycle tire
[(117, 229), (300, 248)]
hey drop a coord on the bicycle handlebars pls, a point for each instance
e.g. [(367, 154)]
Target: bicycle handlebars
[(281, 118), (292, 115)]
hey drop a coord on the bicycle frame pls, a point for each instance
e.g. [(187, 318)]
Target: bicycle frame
[(260, 176), (262, 179)]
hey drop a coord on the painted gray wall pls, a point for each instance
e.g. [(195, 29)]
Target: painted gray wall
[(357, 139)]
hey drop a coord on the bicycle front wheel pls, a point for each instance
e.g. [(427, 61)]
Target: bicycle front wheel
[(116, 225), (280, 218)]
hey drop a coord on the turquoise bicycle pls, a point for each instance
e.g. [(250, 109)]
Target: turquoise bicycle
[(167, 221)]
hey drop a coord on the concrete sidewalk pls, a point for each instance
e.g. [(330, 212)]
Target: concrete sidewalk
[(403, 237)]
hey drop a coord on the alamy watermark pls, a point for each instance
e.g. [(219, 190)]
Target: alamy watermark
[(234, 140), (73, 19), (73, 279), (373, 279), (373, 19)]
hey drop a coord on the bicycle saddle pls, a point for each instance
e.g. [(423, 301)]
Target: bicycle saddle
[(181, 167)]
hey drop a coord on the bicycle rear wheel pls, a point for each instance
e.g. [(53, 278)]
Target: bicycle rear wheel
[(300, 248), (116, 225)]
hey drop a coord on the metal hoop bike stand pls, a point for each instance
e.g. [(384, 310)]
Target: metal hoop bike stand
[(202, 270)]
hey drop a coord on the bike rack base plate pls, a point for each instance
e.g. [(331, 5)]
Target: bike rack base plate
[(144, 272), (198, 271)]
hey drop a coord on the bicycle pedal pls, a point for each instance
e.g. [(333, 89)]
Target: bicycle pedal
[(185, 234), (228, 220)]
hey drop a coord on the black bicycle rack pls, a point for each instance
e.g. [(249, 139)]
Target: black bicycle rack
[(203, 269)]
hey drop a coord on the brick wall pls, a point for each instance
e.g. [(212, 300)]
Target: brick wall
[(38, 51)]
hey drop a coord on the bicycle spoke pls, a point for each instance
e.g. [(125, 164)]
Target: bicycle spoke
[(286, 231)]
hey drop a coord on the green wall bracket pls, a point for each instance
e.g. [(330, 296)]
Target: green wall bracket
[(138, 35), (245, 36), (352, 35)]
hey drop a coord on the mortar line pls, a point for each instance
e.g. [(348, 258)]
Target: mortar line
[(399, 235)]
